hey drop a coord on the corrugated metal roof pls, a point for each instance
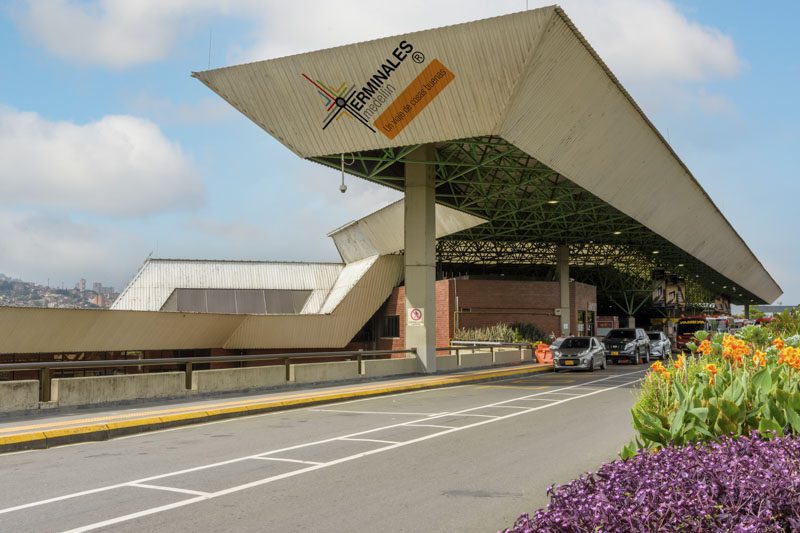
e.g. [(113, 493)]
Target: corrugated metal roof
[(157, 278), (529, 78)]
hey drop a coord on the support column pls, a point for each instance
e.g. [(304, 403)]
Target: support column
[(420, 256), (562, 267), (747, 311), (631, 322)]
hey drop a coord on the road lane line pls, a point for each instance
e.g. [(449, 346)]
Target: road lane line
[(293, 473), (371, 440), (471, 414), (430, 426), (287, 460), (511, 407), (170, 489), (373, 412), (260, 454)]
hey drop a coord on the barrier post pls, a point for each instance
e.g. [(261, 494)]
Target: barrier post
[(44, 384)]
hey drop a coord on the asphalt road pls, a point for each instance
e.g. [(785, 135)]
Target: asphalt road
[(467, 458)]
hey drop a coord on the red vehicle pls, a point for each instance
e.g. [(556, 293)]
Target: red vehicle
[(689, 325)]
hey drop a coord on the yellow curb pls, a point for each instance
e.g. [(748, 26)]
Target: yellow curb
[(21, 437), (122, 424), (182, 416), (67, 432), (292, 401)]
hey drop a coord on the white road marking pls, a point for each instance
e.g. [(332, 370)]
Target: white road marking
[(511, 407), (271, 479), (533, 400), (373, 412), (170, 489), (287, 460), (429, 426), (460, 413), (261, 455), (371, 440)]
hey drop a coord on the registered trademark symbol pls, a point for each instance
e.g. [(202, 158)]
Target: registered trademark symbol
[(418, 57)]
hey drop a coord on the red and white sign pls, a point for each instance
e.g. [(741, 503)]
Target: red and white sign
[(416, 316)]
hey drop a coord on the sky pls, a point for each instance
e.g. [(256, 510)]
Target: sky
[(110, 151)]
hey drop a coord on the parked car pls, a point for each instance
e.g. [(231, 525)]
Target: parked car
[(579, 353), (660, 346), (630, 344)]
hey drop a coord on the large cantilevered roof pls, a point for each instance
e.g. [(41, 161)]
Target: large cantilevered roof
[(532, 132)]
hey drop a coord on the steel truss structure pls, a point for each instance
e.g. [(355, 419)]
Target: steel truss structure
[(531, 209)]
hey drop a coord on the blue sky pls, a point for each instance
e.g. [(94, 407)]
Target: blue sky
[(109, 150)]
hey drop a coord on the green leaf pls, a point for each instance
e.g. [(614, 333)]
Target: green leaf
[(762, 381), (793, 419), (701, 413), (725, 425), (767, 426), (628, 451)]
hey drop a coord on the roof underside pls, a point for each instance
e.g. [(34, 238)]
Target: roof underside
[(531, 116)]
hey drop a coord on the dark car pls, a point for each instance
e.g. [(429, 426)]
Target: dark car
[(630, 344)]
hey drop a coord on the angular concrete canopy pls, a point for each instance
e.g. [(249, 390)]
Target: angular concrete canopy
[(528, 79)]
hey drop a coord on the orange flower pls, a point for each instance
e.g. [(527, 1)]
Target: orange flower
[(705, 347), (789, 356), (778, 343), (734, 350), (679, 362), (658, 366), (760, 358), (712, 372)]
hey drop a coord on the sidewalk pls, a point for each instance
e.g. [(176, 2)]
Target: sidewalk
[(92, 424)]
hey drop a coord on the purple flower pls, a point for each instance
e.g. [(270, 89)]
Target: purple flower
[(735, 484)]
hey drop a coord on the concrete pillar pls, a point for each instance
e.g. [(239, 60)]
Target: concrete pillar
[(562, 267), (631, 322), (747, 311), (420, 256)]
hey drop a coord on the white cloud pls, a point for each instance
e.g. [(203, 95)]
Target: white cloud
[(118, 165), (38, 246), (640, 39), (207, 110), (647, 40), (109, 33)]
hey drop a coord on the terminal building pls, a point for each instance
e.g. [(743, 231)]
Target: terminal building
[(536, 191)]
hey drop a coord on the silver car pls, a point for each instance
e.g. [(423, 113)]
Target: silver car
[(584, 353), (660, 346)]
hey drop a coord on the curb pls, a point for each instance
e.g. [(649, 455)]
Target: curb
[(97, 432)]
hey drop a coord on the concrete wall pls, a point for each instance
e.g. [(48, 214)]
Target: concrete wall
[(506, 356), (390, 367), (109, 389), (19, 395), (317, 372), (233, 379), (446, 363), (469, 360)]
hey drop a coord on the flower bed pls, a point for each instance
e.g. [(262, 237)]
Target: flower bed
[(735, 484), (731, 386)]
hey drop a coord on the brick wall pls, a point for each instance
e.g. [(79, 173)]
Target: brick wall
[(487, 302)]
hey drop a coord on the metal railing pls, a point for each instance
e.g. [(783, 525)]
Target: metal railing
[(45, 369), (459, 346)]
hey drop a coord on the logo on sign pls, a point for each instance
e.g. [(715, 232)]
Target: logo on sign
[(415, 316)]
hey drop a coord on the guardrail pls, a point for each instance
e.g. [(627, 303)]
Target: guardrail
[(458, 346), (45, 369)]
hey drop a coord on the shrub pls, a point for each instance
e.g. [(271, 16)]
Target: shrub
[(741, 484), (500, 333), (731, 386)]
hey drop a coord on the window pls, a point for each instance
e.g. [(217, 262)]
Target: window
[(391, 326)]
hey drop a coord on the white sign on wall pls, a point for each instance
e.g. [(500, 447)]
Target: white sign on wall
[(416, 316)]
